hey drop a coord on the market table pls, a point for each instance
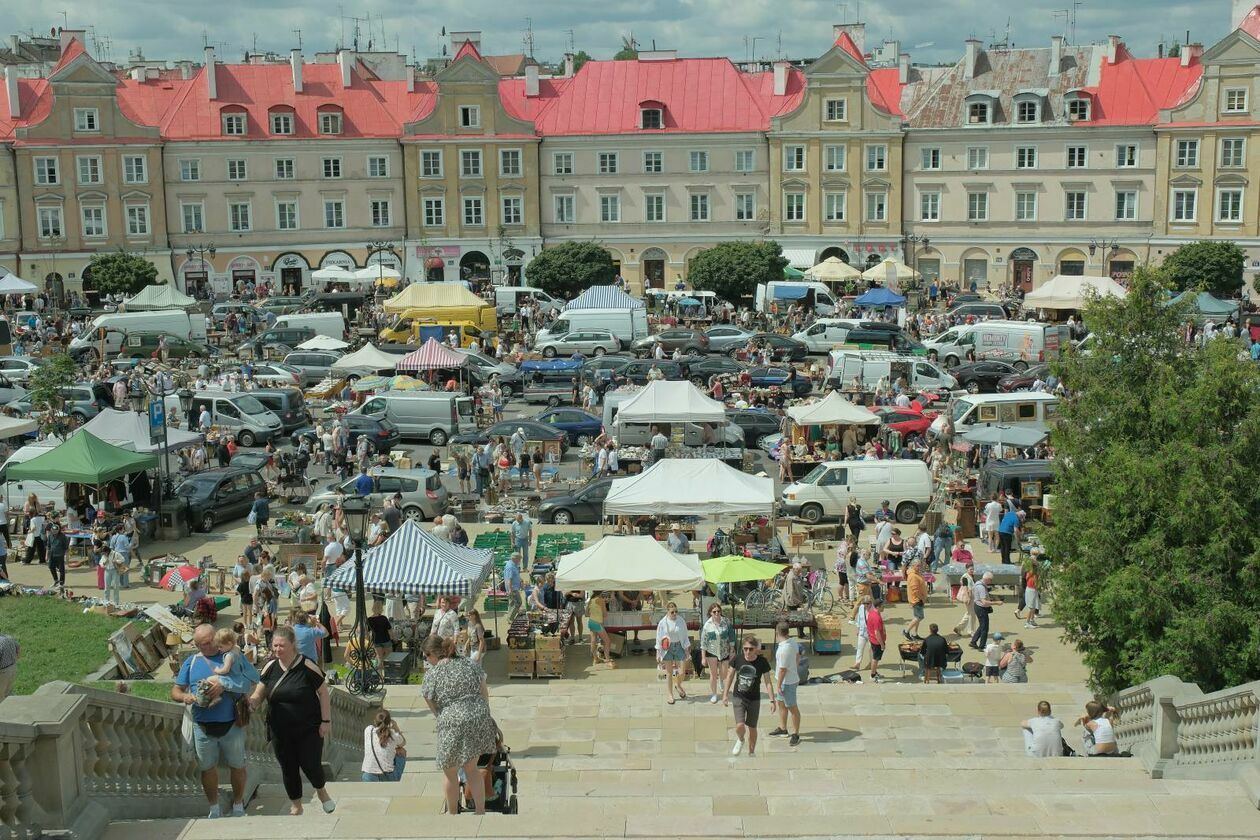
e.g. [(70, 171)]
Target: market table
[(1004, 574)]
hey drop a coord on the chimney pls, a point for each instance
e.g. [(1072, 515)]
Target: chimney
[(458, 39), (212, 87), (568, 65), (15, 43), (1056, 54), (857, 31), (67, 35), (903, 68), (411, 79), (1190, 53), (295, 61), (345, 58), (11, 91), (185, 70), (1113, 48), (780, 78), (969, 60), (137, 74), (531, 79)]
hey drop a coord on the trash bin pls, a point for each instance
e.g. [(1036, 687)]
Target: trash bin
[(174, 519)]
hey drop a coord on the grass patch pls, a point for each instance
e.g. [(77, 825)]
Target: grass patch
[(59, 641), (141, 688)]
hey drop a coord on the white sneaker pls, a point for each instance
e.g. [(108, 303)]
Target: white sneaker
[(739, 746), (712, 698), (238, 809), (215, 812), (329, 806)]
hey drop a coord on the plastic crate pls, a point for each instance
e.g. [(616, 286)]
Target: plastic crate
[(826, 645)]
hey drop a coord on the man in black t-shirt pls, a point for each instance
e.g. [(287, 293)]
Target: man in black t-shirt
[(748, 668), (935, 650)]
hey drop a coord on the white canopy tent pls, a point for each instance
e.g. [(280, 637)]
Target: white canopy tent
[(1064, 291), (690, 487), (623, 563), (368, 359), (14, 426), (832, 269), (832, 410), (11, 284), (665, 401), (332, 274), (131, 431), (159, 297), (377, 272), (323, 342)]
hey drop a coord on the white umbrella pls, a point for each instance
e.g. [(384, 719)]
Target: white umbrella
[(890, 269), (11, 284), (377, 272), (832, 269), (332, 273), (323, 342)]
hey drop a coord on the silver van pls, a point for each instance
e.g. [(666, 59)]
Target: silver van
[(432, 416), (248, 420)]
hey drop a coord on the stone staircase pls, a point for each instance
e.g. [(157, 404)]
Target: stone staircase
[(599, 757)]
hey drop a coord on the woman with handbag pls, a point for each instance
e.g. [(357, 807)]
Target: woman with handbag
[(855, 519), (964, 598), (384, 750)]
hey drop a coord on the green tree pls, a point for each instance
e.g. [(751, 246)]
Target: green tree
[(121, 272), (47, 386), (566, 269), (1216, 267), (732, 270), (579, 58), (629, 49), (1155, 544)]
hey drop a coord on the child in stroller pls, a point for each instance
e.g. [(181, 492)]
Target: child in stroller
[(498, 774)]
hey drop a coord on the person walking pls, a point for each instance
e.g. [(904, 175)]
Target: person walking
[(522, 534), (512, 585), (1032, 598), (877, 635), (748, 669), (916, 593), (862, 640), (58, 547), (717, 644), (964, 596), (1009, 530), (673, 646), (455, 691), (983, 607), (935, 652), (299, 717), (384, 749), (596, 610), (787, 663), (36, 523), (260, 511)]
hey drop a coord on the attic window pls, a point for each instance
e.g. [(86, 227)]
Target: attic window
[(978, 113), (1027, 111), (281, 122), (1077, 109), (651, 118), (234, 123), (329, 122)]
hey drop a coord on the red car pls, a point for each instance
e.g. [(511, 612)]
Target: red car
[(907, 421)]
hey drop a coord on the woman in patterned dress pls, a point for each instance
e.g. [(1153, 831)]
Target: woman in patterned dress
[(456, 692)]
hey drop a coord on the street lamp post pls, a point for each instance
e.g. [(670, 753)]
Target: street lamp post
[(379, 246), (1111, 246), (909, 249), (200, 251), (362, 672), (144, 398)]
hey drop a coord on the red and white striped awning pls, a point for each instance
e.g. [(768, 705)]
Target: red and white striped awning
[(432, 356)]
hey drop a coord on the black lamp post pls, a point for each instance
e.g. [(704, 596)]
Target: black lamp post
[(200, 251), (1111, 247), (355, 510)]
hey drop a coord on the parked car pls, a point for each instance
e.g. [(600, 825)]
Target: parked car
[(981, 377), (145, 346), (218, 495), (1022, 381), (698, 369), (19, 368), (636, 371), (584, 506), (907, 421), (692, 342), (276, 374), (580, 426), (313, 366), (979, 310), (505, 428), (782, 348), (755, 423), (589, 342), (382, 435), (83, 401), (423, 494), (283, 305), (767, 377), (279, 337), (725, 336), (483, 368), (219, 312)]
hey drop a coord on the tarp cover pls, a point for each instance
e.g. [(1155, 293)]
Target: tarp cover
[(1065, 291), (114, 426), (1205, 304), (432, 356), (323, 342), (603, 297), (832, 409), (790, 292), (690, 487), (666, 401), (159, 297), (414, 562), (622, 563), (367, 359), (879, 296), (432, 295), (11, 284), (83, 459)]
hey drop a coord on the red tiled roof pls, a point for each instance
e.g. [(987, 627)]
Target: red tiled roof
[(1251, 23), (1133, 90), (846, 43), (883, 88), (69, 53), (467, 49)]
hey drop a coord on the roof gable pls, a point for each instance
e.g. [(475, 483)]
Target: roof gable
[(79, 67), (845, 42)]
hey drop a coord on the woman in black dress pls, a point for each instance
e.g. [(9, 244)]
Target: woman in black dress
[(299, 717), (854, 518)]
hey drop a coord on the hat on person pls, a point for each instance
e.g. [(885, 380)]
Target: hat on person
[(675, 527)]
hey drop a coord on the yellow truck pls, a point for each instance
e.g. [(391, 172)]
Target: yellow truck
[(442, 303), (408, 330)]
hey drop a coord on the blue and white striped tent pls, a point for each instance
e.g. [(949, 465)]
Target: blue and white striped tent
[(414, 562), (603, 297)]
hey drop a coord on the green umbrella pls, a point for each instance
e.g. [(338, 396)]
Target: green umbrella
[(734, 568), (790, 273)]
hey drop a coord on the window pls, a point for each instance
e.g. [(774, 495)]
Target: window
[(138, 220), (1026, 112), (978, 113), (382, 215), (434, 212), (513, 214), (1076, 157), (653, 162), (193, 216), (470, 163), (1185, 205), (378, 166), (46, 170), (470, 116), (431, 164), (237, 170), (794, 158), (653, 207), (134, 170), (332, 167), (876, 158), (563, 206), (285, 169), (93, 221), (794, 207), (744, 160), (1074, 210), (473, 211), (607, 163), (877, 206), (835, 110), (334, 213), (330, 122), (1025, 157), (1126, 156), (86, 119), (1078, 109), (1235, 100), (234, 124), (1187, 153), (929, 207), (651, 118), (834, 158), (1232, 151), (562, 163), (977, 207), (50, 226), (610, 208), (286, 215), (190, 170), (238, 216), (1126, 205), (977, 157), (745, 207), (1025, 206), (1229, 204), (930, 158), (699, 207), (89, 169), (699, 162), (282, 123), (510, 163), (833, 206)]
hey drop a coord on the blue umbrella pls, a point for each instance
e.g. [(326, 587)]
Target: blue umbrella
[(688, 301)]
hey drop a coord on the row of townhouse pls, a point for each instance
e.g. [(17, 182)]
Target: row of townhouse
[(1008, 166)]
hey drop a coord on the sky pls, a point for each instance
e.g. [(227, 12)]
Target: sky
[(930, 30)]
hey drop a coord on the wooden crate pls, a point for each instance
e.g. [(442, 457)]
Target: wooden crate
[(550, 665), (546, 644), (520, 663)]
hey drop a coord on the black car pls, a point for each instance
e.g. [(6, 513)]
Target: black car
[(982, 377), (782, 377), (782, 348), (979, 310), (584, 507), (892, 339), (216, 496), (382, 435), (699, 368), (755, 423), (1022, 380), (636, 371), (506, 428)]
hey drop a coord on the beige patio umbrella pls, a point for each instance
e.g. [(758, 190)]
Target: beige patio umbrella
[(890, 271), (832, 269)]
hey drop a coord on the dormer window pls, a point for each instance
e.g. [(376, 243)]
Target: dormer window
[(1078, 109), (234, 123), (1026, 111), (329, 122), (979, 112), (651, 118), (281, 122)]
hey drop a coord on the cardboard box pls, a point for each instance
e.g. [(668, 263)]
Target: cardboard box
[(549, 644), (520, 657), (550, 667), (616, 643)]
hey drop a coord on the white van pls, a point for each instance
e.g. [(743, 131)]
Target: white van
[(826, 333), (116, 326), (435, 416), (869, 366), (1025, 408), (330, 324), (15, 492), (628, 325), (791, 292), (1022, 343), (825, 491), (249, 421), (507, 297)]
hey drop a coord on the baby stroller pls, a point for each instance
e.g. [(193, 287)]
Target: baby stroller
[(498, 775)]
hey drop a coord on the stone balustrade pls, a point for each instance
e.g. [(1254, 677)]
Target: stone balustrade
[(73, 758), (1178, 732)]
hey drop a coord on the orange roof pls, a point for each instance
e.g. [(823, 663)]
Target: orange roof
[(72, 50), (883, 88), (467, 49), (846, 43), (1133, 90), (1251, 23)]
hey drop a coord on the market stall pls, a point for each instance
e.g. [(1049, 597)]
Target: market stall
[(131, 428), (1065, 291), (697, 487), (365, 361), (820, 429), (158, 297), (434, 356), (83, 459)]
